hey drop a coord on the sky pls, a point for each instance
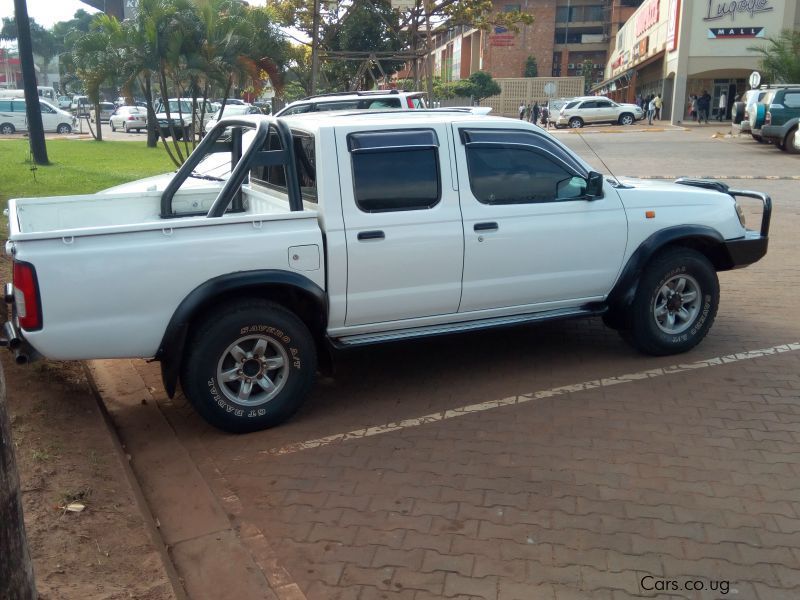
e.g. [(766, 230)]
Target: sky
[(48, 12)]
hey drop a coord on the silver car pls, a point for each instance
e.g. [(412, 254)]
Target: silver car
[(129, 118), (597, 109), (106, 110)]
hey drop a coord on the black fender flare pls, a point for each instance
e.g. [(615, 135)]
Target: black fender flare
[(700, 237), (242, 283)]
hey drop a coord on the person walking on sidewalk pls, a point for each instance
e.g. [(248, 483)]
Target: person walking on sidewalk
[(723, 106), (535, 112), (651, 109), (703, 107), (521, 110), (693, 106), (658, 104)]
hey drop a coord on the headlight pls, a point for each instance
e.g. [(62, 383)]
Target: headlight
[(740, 214)]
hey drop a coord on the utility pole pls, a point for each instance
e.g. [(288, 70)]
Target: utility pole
[(315, 48), (16, 569), (429, 50), (33, 110)]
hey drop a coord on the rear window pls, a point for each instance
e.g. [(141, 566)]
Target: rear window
[(274, 177), (572, 104), (5, 105), (341, 105), (380, 103), (792, 99)]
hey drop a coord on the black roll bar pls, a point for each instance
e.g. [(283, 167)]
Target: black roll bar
[(241, 163)]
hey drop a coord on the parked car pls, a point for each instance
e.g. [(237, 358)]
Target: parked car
[(129, 118), (232, 111), (106, 110), (781, 118), (371, 100), (80, 106), (597, 109), (13, 117), (180, 117), (368, 229), (64, 102), (748, 102)]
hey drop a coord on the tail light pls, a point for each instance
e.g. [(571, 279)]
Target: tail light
[(131, 118), (768, 118), (26, 296), (410, 102)]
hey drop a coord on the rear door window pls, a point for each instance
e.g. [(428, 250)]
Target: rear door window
[(5, 106), (380, 103), (792, 99)]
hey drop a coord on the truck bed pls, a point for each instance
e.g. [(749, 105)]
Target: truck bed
[(116, 247)]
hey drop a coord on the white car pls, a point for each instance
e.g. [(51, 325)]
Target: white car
[(231, 111), (129, 118), (348, 229), (13, 117), (180, 118), (373, 100), (597, 109)]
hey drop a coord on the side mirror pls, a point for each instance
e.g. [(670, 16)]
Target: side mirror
[(594, 185)]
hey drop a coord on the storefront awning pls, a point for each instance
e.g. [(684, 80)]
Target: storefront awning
[(625, 77)]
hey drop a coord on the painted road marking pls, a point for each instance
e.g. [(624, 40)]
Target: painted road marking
[(753, 177), (523, 398)]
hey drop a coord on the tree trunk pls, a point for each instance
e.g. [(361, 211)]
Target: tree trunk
[(99, 136), (152, 122), (33, 110), (16, 569)]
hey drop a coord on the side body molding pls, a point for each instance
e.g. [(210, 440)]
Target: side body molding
[(264, 283)]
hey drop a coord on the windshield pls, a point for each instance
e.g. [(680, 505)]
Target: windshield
[(236, 109)]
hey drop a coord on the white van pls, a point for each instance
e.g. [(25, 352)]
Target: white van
[(13, 117)]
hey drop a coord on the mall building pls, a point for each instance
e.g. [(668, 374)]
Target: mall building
[(677, 48)]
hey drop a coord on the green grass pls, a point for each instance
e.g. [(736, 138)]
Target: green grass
[(77, 167)]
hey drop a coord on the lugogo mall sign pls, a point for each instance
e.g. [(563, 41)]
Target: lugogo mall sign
[(730, 8)]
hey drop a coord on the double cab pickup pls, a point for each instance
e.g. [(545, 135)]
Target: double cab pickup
[(334, 230)]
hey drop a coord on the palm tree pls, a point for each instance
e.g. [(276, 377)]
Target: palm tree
[(780, 58)]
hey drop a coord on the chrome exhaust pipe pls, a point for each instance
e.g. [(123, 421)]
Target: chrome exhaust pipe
[(20, 357), (12, 337)]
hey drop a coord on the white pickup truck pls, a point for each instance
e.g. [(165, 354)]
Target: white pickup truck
[(337, 230)]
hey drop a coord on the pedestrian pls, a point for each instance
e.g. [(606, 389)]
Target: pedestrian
[(692, 106), (651, 109), (522, 110), (535, 113), (658, 104), (546, 117), (723, 106), (704, 106)]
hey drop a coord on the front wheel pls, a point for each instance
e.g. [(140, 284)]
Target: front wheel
[(575, 123), (111, 124), (675, 304), (64, 129), (7, 129), (791, 142), (250, 368), (626, 120)]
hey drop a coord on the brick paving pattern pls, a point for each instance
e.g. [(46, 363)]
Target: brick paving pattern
[(692, 477)]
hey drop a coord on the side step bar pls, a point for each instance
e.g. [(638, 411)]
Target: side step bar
[(365, 339)]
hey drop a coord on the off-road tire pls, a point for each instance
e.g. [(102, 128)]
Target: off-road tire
[(669, 266), (208, 359)]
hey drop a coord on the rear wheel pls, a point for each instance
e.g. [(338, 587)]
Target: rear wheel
[(675, 304), (250, 368), (790, 142), (576, 123), (7, 129), (111, 123)]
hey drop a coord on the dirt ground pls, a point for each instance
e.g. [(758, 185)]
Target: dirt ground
[(65, 454)]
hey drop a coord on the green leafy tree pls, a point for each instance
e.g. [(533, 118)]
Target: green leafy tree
[(531, 68), (45, 46), (780, 57), (479, 86)]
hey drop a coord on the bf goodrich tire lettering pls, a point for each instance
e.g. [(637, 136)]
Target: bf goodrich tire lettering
[(675, 304), (250, 368)]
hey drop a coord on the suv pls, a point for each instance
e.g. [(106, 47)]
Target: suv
[(781, 118), (180, 117), (597, 109), (374, 100)]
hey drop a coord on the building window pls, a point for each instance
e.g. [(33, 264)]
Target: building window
[(395, 170)]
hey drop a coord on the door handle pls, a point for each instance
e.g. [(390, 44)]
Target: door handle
[(371, 235), (490, 226)]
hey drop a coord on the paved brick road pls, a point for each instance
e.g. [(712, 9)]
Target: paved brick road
[(684, 478)]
